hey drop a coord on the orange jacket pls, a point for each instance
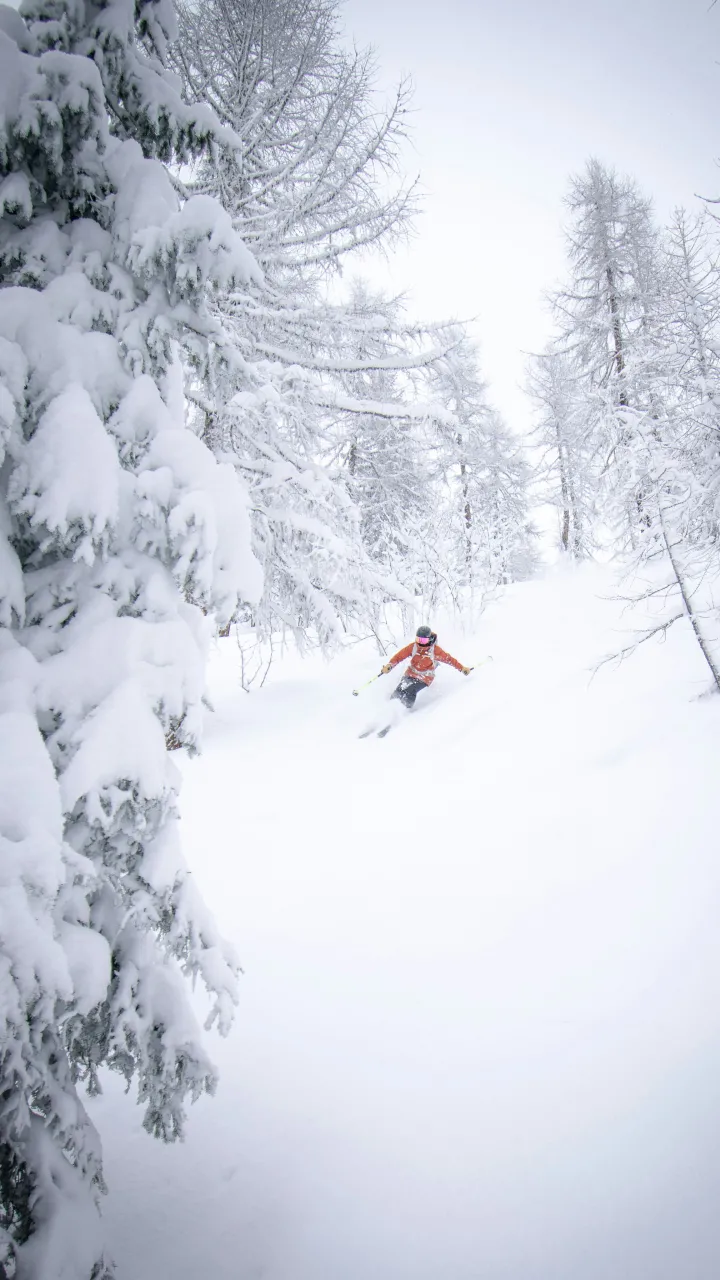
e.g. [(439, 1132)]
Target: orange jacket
[(424, 660)]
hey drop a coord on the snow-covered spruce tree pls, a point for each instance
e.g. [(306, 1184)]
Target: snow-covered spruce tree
[(312, 183), (118, 530)]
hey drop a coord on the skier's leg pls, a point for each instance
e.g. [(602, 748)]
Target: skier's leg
[(418, 686), (399, 690), (407, 690)]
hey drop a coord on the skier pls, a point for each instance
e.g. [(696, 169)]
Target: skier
[(424, 654)]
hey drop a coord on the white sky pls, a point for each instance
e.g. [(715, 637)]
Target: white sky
[(513, 96)]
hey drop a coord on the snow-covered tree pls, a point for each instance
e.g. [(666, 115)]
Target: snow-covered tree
[(383, 428), (285, 423), (605, 318), (678, 559), (567, 464), (507, 535), (610, 241), (314, 180), (315, 176), (119, 530), (487, 534), (688, 337), (628, 397), (328, 414)]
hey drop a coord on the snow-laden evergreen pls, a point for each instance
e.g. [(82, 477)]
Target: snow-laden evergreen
[(119, 531)]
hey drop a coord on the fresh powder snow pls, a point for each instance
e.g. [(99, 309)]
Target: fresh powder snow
[(479, 1031)]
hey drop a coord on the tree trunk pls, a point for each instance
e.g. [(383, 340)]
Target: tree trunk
[(618, 352), (564, 488), (467, 509), (686, 596)]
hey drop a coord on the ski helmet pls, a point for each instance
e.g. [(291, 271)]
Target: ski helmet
[(425, 635)]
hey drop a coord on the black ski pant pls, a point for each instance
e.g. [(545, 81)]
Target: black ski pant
[(408, 690)]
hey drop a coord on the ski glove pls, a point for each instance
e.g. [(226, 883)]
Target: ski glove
[(384, 670), (466, 671)]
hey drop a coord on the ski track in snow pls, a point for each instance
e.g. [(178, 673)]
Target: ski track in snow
[(479, 1033)]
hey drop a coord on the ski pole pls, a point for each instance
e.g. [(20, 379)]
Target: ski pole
[(482, 662), (365, 685)]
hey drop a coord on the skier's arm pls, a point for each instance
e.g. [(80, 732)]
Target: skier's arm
[(442, 656), (400, 656)]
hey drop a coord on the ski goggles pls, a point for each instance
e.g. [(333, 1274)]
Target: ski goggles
[(422, 640)]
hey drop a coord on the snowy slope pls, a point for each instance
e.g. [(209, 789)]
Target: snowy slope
[(480, 1025)]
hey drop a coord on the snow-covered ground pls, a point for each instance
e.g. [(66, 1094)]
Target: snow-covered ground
[(479, 1035)]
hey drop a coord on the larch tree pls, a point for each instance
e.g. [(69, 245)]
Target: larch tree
[(627, 396), (314, 180), (484, 478), (384, 434), (604, 319), (567, 462), (678, 556), (316, 173)]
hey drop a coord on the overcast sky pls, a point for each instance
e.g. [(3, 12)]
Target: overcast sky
[(513, 96)]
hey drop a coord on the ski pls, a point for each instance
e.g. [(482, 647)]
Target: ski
[(379, 733)]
